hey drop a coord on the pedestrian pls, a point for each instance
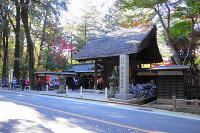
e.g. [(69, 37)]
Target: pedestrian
[(26, 82), (39, 84), (50, 85), (75, 83), (56, 82), (100, 84), (4, 82), (23, 82), (14, 82)]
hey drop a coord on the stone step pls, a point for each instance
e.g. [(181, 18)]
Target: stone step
[(133, 101)]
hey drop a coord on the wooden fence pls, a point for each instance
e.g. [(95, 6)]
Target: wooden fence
[(183, 103)]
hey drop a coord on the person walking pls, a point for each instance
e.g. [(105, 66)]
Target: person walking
[(26, 82), (23, 82), (56, 82), (4, 82), (100, 84), (14, 82), (75, 83), (39, 84)]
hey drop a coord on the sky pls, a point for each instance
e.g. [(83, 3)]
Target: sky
[(76, 6)]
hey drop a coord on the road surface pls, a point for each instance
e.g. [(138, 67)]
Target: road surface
[(29, 113)]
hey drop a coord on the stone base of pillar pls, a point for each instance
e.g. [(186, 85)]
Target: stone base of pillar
[(111, 95), (124, 96), (59, 91)]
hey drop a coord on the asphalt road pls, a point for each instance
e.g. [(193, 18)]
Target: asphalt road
[(28, 113)]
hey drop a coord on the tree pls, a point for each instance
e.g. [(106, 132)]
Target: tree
[(112, 19), (30, 47), (163, 9), (127, 18), (179, 34), (89, 27), (4, 9), (53, 32), (190, 11), (44, 18), (57, 54), (26, 6), (16, 28), (40, 24)]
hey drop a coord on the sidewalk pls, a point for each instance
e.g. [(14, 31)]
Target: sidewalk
[(87, 94)]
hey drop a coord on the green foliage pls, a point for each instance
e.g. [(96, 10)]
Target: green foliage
[(52, 7), (130, 4), (55, 64), (190, 9), (168, 12), (180, 30), (126, 15), (197, 62)]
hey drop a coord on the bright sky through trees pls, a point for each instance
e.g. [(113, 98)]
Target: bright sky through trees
[(76, 7)]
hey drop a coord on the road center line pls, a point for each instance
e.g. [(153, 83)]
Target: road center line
[(81, 116)]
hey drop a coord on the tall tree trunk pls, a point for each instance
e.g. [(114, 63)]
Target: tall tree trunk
[(5, 33), (17, 41), (5, 58), (42, 39), (30, 47), (23, 55)]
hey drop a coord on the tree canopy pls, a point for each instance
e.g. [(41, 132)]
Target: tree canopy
[(32, 37), (31, 21), (177, 19)]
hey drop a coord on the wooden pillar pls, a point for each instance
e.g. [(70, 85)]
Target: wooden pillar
[(133, 66), (45, 79), (95, 75), (105, 77)]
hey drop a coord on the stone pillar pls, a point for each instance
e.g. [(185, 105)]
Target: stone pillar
[(62, 84), (124, 79), (11, 75)]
